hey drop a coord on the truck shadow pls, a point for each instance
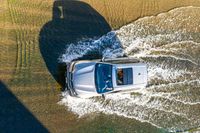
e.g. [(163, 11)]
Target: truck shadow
[(71, 21), (15, 117)]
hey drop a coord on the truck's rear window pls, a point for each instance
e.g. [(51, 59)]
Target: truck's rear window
[(124, 76), (103, 78)]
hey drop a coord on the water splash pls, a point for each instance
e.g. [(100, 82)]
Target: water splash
[(107, 46), (169, 43)]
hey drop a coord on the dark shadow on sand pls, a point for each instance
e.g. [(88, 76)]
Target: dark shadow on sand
[(15, 117), (72, 21)]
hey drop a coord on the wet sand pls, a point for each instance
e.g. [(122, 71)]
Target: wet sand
[(120, 13), (29, 73)]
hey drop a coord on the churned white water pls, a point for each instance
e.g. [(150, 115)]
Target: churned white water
[(170, 44)]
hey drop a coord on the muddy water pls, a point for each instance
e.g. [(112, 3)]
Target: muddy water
[(120, 13), (170, 44)]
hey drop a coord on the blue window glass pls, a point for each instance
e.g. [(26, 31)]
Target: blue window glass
[(103, 78), (124, 76)]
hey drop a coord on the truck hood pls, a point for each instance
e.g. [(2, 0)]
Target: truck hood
[(83, 78)]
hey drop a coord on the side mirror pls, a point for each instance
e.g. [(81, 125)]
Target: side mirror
[(103, 96), (103, 59)]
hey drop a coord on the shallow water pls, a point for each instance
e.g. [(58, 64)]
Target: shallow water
[(170, 44)]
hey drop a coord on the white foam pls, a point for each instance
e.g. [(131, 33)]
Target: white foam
[(157, 72), (108, 46), (130, 105), (142, 40)]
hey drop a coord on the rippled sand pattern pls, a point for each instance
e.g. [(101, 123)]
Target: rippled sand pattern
[(123, 12)]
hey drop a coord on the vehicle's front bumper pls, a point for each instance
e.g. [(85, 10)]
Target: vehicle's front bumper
[(69, 77)]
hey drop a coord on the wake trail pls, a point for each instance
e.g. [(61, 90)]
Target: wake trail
[(171, 100)]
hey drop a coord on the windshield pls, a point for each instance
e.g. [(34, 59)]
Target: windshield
[(103, 78)]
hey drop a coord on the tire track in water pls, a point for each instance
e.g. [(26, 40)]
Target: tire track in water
[(25, 31), (6, 66), (11, 13)]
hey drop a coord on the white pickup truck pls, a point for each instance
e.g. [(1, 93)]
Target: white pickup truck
[(88, 78)]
